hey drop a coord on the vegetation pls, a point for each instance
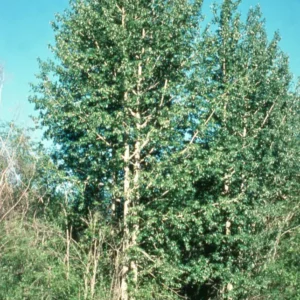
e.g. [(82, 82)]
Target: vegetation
[(174, 172)]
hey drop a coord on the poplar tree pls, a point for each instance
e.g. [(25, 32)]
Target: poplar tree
[(250, 175), (185, 142), (113, 101)]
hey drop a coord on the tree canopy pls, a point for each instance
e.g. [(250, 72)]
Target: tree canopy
[(176, 152)]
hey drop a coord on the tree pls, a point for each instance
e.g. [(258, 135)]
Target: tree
[(114, 102), (17, 166), (251, 171), (183, 141)]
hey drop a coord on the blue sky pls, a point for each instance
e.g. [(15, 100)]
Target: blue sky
[(25, 32)]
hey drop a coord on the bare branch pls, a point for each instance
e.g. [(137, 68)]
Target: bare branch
[(163, 95), (267, 115)]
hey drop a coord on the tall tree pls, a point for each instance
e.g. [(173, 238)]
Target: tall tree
[(250, 173), (185, 143), (112, 101)]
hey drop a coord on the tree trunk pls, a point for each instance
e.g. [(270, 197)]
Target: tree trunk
[(126, 236)]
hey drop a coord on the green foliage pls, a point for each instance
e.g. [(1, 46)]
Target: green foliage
[(120, 83), (38, 261), (32, 265), (90, 120), (176, 156), (251, 166), (39, 258)]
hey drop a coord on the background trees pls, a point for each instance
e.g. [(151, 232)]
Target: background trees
[(39, 257)]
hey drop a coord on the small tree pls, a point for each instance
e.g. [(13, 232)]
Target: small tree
[(17, 166)]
